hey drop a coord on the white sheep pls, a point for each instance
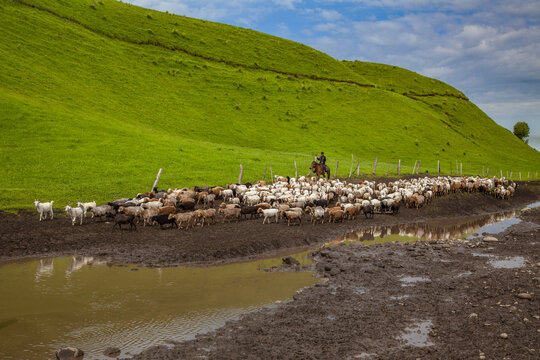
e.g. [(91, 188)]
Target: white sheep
[(74, 213), (43, 209), (269, 213), (87, 207)]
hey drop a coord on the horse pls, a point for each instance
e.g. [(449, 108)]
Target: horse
[(318, 170)]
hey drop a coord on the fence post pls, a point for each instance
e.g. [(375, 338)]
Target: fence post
[(241, 173), (375, 165), (264, 175), (418, 168), (487, 172), (520, 176), (461, 169), (352, 164), (528, 173), (501, 174), (337, 164), (157, 179), (295, 170), (358, 167), (414, 167), (399, 167)]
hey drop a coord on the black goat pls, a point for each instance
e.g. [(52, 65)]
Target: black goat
[(122, 218), (164, 219)]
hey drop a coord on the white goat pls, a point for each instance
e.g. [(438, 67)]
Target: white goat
[(87, 206), (43, 209), (269, 213), (74, 213)]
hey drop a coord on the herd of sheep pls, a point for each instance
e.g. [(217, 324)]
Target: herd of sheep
[(286, 198)]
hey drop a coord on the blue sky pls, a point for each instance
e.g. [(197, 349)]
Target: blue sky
[(489, 49)]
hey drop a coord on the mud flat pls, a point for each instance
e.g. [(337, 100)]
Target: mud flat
[(448, 299), (23, 236)]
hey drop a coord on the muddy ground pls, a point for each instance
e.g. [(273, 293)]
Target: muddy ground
[(24, 236), (362, 308)]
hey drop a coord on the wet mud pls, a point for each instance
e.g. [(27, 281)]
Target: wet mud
[(443, 299), (24, 236)]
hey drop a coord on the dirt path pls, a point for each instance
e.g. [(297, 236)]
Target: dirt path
[(458, 308), (23, 236)]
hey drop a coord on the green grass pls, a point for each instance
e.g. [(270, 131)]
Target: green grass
[(87, 115)]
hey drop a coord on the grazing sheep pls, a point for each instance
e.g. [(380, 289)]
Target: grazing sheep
[(74, 213), (249, 210), (293, 215), (230, 213), (122, 218), (268, 214), (164, 219), (147, 215), (209, 200), (316, 214), (186, 203), (166, 210), (336, 215), (44, 208), (208, 215), (351, 212), (87, 206), (102, 210), (183, 218)]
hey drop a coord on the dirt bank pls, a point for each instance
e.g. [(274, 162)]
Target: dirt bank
[(24, 236), (450, 297)]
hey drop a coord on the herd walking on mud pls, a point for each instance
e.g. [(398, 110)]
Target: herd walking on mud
[(286, 198)]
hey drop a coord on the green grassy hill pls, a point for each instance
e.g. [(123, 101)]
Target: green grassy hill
[(95, 97)]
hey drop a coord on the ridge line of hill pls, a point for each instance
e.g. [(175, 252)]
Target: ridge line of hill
[(230, 63), (160, 45)]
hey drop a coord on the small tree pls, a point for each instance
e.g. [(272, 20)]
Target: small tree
[(521, 130)]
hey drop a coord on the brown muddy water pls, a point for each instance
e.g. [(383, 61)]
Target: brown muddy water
[(78, 301)]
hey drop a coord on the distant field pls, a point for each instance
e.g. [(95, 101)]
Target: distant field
[(89, 111)]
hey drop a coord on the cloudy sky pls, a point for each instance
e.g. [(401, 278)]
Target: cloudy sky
[(489, 49)]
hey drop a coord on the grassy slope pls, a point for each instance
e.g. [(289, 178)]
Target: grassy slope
[(92, 117)]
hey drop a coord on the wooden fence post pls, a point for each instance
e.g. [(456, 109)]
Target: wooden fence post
[(264, 175), (418, 168), (157, 179), (414, 167), (520, 176), (295, 170), (399, 167), (461, 169), (241, 173), (352, 164), (375, 165), (501, 174), (337, 164), (528, 173), (358, 167), (487, 172)]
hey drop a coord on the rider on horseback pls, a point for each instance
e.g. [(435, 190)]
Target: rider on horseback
[(322, 161)]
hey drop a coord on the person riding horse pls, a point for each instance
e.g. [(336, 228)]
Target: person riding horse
[(322, 161)]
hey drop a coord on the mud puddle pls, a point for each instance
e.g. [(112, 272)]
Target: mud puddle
[(79, 301), (464, 228)]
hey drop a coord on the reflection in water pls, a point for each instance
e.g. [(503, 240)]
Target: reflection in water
[(87, 304), (45, 269), (431, 230)]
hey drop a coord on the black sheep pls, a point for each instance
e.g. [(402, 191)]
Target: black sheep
[(122, 218), (164, 219)]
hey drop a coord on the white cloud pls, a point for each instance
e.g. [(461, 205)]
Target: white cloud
[(330, 15)]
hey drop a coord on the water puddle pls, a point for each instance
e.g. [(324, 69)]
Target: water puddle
[(79, 301), (411, 280), (533, 205), (514, 262), (418, 334), (446, 229)]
